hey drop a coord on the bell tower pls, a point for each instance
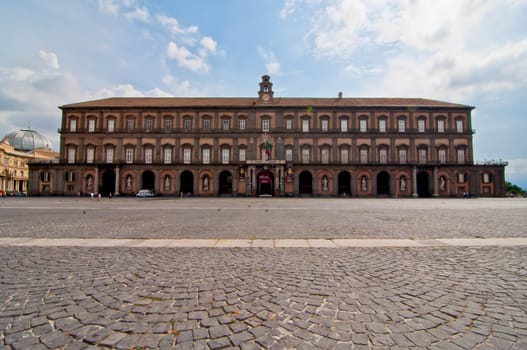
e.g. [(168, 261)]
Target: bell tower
[(265, 94)]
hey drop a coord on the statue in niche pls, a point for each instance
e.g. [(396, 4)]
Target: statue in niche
[(129, 182), (205, 183), (402, 184), (167, 183), (325, 182), (442, 184), (363, 183), (90, 183)]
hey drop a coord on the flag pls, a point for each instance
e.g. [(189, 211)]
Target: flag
[(268, 149)]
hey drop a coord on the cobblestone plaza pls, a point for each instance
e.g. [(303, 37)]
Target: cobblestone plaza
[(129, 296)]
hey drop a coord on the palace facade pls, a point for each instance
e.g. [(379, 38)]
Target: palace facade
[(268, 146), (17, 150)]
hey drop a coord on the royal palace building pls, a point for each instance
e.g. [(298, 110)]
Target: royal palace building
[(268, 146)]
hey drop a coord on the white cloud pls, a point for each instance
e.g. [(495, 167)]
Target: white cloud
[(186, 59), (139, 14), (181, 88), (208, 45), (49, 58), (109, 6), (272, 65), (173, 26)]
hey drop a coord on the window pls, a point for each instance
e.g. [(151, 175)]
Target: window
[(91, 125), (324, 124), (225, 153), (420, 125), (461, 178), (382, 125), (364, 155), (289, 124), (44, 176), (71, 154), (242, 154), (167, 155), (305, 125), (148, 155), (440, 125), (461, 155), (344, 155), (187, 124), (70, 176), (206, 124), (265, 125), (149, 124), (129, 155), (90, 154), (73, 125), (486, 178), (109, 154), (363, 125), (403, 155), (459, 125), (168, 124), (422, 155), (242, 124), (205, 156), (130, 124), (288, 154), (187, 154), (402, 125), (383, 155), (324, 154), (225, 124), (305, 156), (111, 125), (344, 125), (442, 155)]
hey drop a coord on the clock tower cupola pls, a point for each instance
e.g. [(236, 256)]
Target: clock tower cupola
[(265, 94)]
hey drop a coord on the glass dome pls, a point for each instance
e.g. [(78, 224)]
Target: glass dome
[(28, 140)]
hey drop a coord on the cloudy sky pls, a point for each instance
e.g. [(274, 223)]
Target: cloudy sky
[(472, 52)]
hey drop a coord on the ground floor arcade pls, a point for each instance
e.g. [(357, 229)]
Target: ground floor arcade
[(270, 179)]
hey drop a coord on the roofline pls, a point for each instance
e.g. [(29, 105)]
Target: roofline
[(251, 102)]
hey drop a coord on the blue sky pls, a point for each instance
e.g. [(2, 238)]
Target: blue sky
[(472, 52)]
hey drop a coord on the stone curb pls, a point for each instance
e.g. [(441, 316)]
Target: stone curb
[(261, 243)]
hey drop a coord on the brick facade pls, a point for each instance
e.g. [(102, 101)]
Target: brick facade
[(267, 145)]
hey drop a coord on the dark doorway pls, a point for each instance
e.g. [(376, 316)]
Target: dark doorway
[(305, 183), (187, 183), (383, 183), (423, 184), (148, 180), (344, 183), (108, 183), (265, 183), (225, 183)]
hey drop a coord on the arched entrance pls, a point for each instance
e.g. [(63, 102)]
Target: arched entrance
[(265, 181), (148, 180), (186, 182), (305, 183), (108, 183), (344, 183), (383, 183), (423, 184), (225, 183)]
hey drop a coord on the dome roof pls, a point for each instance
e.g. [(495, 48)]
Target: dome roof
[(27, 140)]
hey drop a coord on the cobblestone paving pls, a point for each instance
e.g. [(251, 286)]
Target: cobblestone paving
[(294, 298), (247, 218)]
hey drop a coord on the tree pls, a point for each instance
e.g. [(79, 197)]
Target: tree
[(514, 189)]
